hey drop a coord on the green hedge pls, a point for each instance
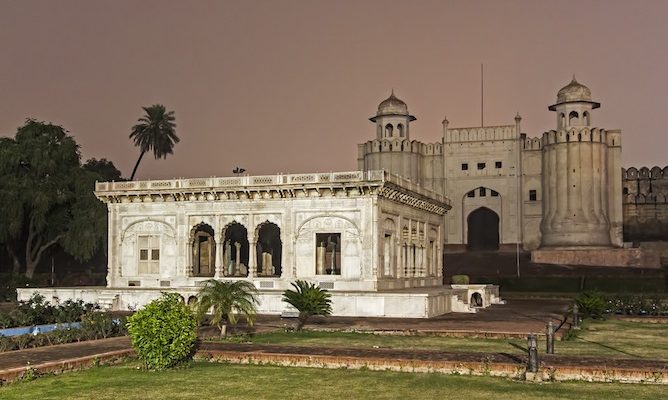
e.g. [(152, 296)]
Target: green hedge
[(577, 284), (95, 325)]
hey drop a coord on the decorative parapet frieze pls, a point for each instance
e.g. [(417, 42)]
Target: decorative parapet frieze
[(282, 186), (399, 194)]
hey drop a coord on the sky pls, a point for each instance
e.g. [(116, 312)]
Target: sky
[(287, 86)]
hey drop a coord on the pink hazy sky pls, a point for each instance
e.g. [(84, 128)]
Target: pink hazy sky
[(288, 86)]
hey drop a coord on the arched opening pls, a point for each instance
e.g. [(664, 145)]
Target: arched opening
[(585, 116), (388, 130), (562, 120), (203, 250), (573, 118), (328, 254), (269, 250), (400, 128), (476, 300), (483, 230), (235, 253), (192, 301)]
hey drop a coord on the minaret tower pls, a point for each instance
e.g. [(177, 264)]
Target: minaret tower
[(577, 169), (392, 150), (392, 119)]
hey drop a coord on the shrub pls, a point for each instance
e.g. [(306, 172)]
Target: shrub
[(98, 325), (460, 280), (34, 311), (226, 300), (72, 311), (163, 332), (5, 320), (309, 300), (591, 304)]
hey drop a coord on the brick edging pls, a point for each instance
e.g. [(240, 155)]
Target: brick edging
[(479, 368), (59, 366)]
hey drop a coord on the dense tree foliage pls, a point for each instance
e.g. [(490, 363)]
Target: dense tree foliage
[(47, 198), (156, 132)]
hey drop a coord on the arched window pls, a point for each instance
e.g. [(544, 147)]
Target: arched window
[(573, 117), (562, 119), (585, 116), (235, 250), (204, 251), (269, 249), (388, 130), (400, 128)]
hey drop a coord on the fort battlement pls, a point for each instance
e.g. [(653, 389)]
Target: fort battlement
[(487, 133)]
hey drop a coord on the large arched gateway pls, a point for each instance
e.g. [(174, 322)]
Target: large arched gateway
[(483, 230)]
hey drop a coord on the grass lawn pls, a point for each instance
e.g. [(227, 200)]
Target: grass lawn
[(201, 380), (610, 338)]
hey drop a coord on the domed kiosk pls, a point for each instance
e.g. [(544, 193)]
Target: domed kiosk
[(392, 119)]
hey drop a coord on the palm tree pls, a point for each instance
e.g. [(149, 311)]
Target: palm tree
[(156, 131), (309, 300), (227, 300)]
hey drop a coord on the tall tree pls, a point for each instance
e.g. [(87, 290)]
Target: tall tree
[(46, 197), (156, 131)]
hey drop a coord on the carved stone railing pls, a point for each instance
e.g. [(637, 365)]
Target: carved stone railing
[(234, 181), (262, 182)]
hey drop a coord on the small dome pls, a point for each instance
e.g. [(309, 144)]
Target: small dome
[(392, 106), (574, 91)]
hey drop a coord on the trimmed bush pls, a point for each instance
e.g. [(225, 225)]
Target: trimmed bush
[(163, 332), (460, 280)]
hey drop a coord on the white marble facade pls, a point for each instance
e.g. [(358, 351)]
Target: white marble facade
[(383, 232)]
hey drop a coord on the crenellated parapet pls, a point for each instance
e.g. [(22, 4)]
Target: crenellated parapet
[(475, 134), (534, 143), (582, 134), (645, 173), (645, 185), (401, 146)]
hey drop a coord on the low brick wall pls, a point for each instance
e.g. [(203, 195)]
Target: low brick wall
[(598, 257), (57, 367)]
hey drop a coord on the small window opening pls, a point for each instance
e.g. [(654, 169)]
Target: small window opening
[(470, 194), (498, 164), (481, 165), (483, 192), (388, 130), (465, 167), (495, 193), (532, 195)]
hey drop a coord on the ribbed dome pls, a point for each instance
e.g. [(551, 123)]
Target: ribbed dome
[(392, 106), (574, 91)]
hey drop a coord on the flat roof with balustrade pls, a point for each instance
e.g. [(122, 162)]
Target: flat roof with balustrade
[(278, 182)]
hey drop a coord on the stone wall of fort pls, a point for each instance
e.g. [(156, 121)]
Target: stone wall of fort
[(645, 207)]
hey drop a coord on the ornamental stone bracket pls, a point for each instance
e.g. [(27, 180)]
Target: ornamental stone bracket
[(400, 195)]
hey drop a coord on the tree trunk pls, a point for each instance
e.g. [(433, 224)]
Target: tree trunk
[(223, 330), (134, 170), (31, 265), (16, 263), (35, 247)]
